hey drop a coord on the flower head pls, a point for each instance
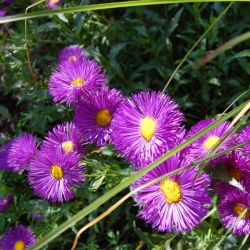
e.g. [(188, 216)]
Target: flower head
[(244, 137), (65, 136), (145, 126), (17, 238), (231, 206), (6, 202), (21, 151), (71, 79), (51, 4), (201, 147), (235, 164), (4, 156), (53, 174), (94, 114), (71, 53), (176, 203)]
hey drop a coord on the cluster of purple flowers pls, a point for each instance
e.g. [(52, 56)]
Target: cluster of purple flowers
[(141, 127)]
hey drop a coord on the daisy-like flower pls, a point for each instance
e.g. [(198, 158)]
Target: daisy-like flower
[(202, 147), (21, 151), (51, 4), (71, 53), (176, 203), (6, 202), (65, 136), (53, 174), (71, 79), (17, 238), (231, 206), (244, 137), (235, 165), (221, 187), (4, 156), (145, 126), (94, 114), (3, 12)]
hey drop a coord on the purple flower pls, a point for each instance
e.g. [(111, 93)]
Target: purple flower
[(71, 53), (21, 151), (3, 12), (145, 126), (201, 147), (65, 136), (94, 114), (53, 174), (6, 202), (4, 166), (176, 203), (71, 79), (37, 216), (231, 205), (244, 137), (51, 4), (18, 238), (235, 165)]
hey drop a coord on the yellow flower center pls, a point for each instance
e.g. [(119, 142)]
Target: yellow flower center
[(147, 128), (56, 171), (103, 118), (54, 1), (67, 146), (210, 142), (19, 245), (171, 190), (72, 59), (234, 173), (239, 209), (78, 82)]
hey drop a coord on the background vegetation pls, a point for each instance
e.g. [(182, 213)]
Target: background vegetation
[(139, 49)]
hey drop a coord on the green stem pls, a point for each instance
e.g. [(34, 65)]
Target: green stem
[(103, 6), (126, 183), (226, 46)]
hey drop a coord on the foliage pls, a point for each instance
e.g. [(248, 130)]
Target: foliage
[(139, 48)]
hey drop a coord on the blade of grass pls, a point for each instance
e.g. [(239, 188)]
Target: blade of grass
[(196, 44), (126, 183), (103, 6)]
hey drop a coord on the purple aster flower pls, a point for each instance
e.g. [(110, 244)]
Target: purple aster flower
[(37, 216), (145, 126), (18, 238), (235, 165), (3, 157), (8, 2), (71, 79), (53, 174), (51, 4), (65, 136), (3, 12), (94, 114), (203, 146), (21, 151), (244, 137), (176, 203), (231, 205), (71, 53), (6, 202)]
